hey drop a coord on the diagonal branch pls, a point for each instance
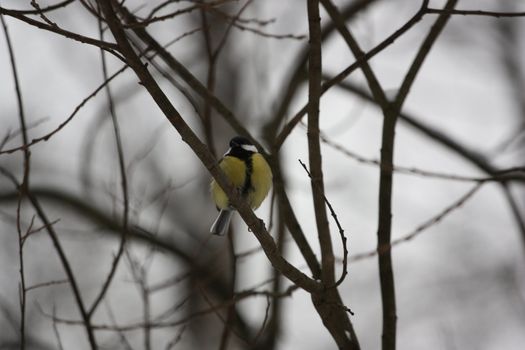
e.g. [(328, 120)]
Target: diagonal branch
[(290, 87), (256, 225), (67, 267), (188, 77), (373, 82), (110, 47), (287, 129), (422, 54), (68, 119), (45, 9)]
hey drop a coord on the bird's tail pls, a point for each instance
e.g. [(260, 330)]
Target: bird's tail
[(220, 226)]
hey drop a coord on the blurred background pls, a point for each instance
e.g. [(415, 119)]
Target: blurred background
[(459, 283)]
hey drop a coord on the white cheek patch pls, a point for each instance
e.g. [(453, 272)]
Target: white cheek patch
[(250, 148)]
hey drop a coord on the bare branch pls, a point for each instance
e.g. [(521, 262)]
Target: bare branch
[(41, 10), (514, 173), (421, 228), (69, 118), (199, 6), (314, 148), (287, 129), (373, 82), (182, 321), (341, 232), (255, 224), (46, 284), (386, 274), (189, 78), (109, 47), (22, 188), (69, 272), (336, 321), (123, 181), (474, 13), (293, 81)]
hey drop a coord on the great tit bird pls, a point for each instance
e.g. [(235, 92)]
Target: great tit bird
[(250, 174)]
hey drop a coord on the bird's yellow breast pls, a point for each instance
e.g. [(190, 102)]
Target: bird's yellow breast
[(236, 170), (261, 180)]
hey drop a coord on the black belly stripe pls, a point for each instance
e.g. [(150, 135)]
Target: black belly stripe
[(247, 186)]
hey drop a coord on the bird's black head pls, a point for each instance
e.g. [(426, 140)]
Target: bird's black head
[(241, 147), (242, 142), (238, 141)]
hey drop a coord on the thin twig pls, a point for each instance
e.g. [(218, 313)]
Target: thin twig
[(420, 228), (55, 330), (46, 284), (341, 231), (69, 118), (291, 220), (176, 339), (109, 47), (69, 271), (268, 35), (42, 15), (41, 10), (259, 22), (422, 54), (123, 340), (222, 319), (265, 320), (474, 13), (500, 175), (199, 6), (207, 5), (123, 180), (30, 231), (23, 188), (184, 320), (515, 209)]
